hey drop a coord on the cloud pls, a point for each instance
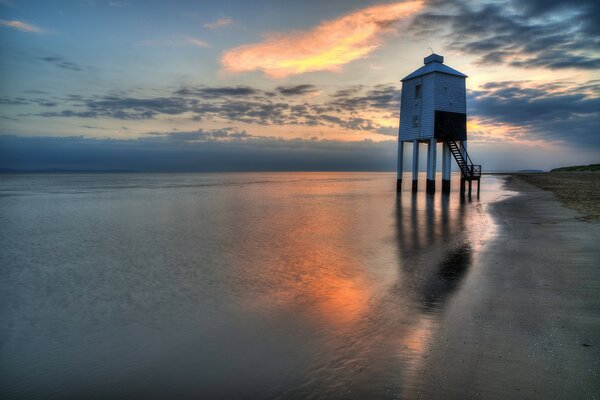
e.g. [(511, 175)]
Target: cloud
[(325, 47), (358, 108), (296, 90), (523, 34), (198, 42), (62, 63), (558, 111), (175, 41), (15, 101), (380, 97), (22, 26), (128, 108), (219, 23), (217, 92), (92, 127), (555, 112), (587, 11)]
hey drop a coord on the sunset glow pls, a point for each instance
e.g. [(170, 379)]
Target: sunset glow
[(326, 47), (215, 81)]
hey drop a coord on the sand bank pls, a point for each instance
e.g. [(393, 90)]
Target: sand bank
[(577, 190), (525, 323)]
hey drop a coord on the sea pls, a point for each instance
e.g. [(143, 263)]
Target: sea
[(304, 285)]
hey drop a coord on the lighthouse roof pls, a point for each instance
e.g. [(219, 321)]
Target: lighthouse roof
[(433, 63)]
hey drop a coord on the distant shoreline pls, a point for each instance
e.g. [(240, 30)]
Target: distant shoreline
[(129, 171), (65, 171)]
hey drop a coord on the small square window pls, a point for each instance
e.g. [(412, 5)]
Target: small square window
[(415, 121), (418, 92)]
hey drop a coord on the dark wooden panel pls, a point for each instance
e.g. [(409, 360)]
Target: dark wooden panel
[(450, 125)]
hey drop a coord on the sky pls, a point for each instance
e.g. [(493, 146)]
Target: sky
[(288, 85)]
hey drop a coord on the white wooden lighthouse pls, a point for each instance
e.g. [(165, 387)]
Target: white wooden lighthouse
[(434, 110)]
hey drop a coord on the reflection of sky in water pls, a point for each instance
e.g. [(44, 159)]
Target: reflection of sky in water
[(256, 285)]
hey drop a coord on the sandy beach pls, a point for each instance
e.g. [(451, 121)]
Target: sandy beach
[(577, 190), (526, 323)]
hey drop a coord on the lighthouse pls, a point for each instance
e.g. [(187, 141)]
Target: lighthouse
[(433, 110)]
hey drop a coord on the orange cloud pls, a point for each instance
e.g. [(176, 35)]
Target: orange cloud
[(326, 47), (22, 26)]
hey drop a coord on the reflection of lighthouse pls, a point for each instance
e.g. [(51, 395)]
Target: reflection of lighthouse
[(433, 110), (435, 247)]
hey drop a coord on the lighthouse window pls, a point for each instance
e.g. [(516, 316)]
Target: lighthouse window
[(418, 92), (415, 121)]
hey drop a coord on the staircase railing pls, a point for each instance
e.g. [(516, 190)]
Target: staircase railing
[(469, 170)]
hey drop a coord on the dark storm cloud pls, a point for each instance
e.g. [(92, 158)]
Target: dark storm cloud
[(588, 11), (555, 60), (207, 92), (555, 111), (380, 97), (259, 112), (92, 127), (296, 90), (122, 107), (348, 91), (136, 108), (528, 33), (353, 123), (45, 103), (194, 151), (13, 101), (20, 101), (239, 104), (62, 63), (68, 114)]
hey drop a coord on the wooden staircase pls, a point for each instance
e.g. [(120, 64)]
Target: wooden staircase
[(470, 171)]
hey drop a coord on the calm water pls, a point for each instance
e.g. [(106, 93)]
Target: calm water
[(233, 286)]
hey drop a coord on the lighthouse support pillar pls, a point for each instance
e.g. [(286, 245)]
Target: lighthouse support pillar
[(415, 166), (400, 166), (431, 161), (446, 167)]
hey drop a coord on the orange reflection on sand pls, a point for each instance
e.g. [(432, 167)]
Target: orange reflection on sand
[(340, 300), (418, 337), (329, 284), (311, 268)]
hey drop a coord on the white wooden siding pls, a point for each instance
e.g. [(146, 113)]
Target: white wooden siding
[(427, 107), (409, 107), (439, 91), (450, 93)]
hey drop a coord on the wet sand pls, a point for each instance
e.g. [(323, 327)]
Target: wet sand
[(526, 322), (293, 286)]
